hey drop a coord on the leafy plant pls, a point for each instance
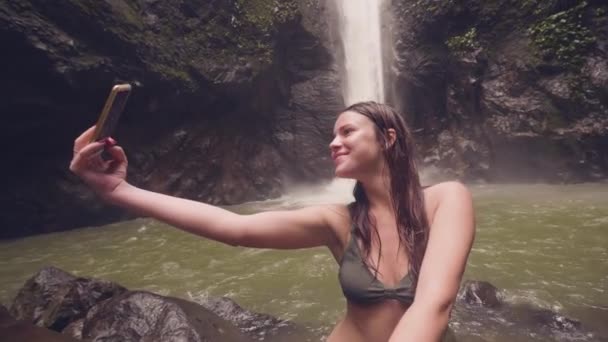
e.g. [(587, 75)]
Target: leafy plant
[(464, 43), (562, 37)]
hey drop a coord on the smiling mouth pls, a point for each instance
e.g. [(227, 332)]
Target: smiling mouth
[(336, 157)]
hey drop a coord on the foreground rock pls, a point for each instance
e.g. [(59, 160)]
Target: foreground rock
[(53, 298), (480, 302), (98, 310), (144, 316), (480, 293), (12, 330), (260, 326)]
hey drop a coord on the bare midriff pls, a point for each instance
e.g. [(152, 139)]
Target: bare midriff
[(370, 322)]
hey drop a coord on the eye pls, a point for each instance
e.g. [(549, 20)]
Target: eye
[(347, 131)]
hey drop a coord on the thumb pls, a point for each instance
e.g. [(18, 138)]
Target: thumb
[(118, 154)]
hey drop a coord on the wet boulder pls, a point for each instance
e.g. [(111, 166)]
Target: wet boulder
[(22, 331), (546, 319), (144, 316), (481, 305), (5, 316), (74, 329), (480, 293), (53, 298), (257, 325)]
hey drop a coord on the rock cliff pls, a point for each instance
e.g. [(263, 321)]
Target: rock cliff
[(505, 90), (231, 100)]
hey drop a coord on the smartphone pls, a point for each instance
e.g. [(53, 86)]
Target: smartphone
[(111, 111)]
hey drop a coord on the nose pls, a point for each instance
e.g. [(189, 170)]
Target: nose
[(335, 144)]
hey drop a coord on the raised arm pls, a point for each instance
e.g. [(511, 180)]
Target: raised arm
[(307, 227), (450, 240), (301, 228)]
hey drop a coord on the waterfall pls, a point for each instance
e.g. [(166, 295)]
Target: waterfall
[(359, 25)]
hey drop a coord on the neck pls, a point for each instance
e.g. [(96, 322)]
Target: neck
[(378, 191)]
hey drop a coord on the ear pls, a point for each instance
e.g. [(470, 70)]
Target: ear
[(391, 137)]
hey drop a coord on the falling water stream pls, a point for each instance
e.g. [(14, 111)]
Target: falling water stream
[(359, 23)]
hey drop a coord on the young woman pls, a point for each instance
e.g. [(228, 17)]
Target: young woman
[(402, 249)]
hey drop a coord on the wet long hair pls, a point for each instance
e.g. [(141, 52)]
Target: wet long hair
[(406, 193)]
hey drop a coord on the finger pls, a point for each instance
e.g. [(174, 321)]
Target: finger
[(118, 154), (83, 139), (107, 164), (95, 164), (82, 157), (91, 149)]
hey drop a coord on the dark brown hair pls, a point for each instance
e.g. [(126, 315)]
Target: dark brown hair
[(405, 189)]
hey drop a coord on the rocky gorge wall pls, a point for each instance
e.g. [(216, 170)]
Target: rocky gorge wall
[(505, 90), (232, 99)]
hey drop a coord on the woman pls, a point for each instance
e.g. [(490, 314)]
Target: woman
[(394, 241)]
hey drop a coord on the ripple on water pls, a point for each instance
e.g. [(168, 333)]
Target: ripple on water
[(251, 252), (596, 222)]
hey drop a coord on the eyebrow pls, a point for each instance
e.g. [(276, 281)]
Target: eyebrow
[(347, 125)]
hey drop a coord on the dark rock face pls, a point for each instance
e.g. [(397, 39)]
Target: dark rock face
[(53, 298), (143, 316), (493, 94), (231, 98)]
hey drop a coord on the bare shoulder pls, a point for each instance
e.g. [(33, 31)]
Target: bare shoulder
[(450, 188), (338, 220), (445, 195), (337, 217)]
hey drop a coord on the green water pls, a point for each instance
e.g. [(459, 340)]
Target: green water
[(541, 244)]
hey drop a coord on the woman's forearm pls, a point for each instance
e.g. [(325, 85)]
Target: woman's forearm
[(422, 324), (196, 217)]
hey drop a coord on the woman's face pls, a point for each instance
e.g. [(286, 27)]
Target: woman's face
[(355, 148)]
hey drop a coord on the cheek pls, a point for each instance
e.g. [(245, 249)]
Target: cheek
[(368, 149)]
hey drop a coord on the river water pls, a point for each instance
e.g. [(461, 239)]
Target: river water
[(543, 245)]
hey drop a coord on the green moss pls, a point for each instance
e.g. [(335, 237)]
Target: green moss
[(464, 43), (124, 10), (536, 6), (173, 73), (562, 37), (250, 30), (431, 6), (265, 14), (86, 6), (121, 9), (579, 86)]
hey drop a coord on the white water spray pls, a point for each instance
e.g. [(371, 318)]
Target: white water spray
[(359, 23)]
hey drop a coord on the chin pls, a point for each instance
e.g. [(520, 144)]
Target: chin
[(342, 173)]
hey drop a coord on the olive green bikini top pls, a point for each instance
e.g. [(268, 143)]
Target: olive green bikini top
[(361, 286)]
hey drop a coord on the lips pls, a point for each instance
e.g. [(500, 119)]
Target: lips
[(335, 156)]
